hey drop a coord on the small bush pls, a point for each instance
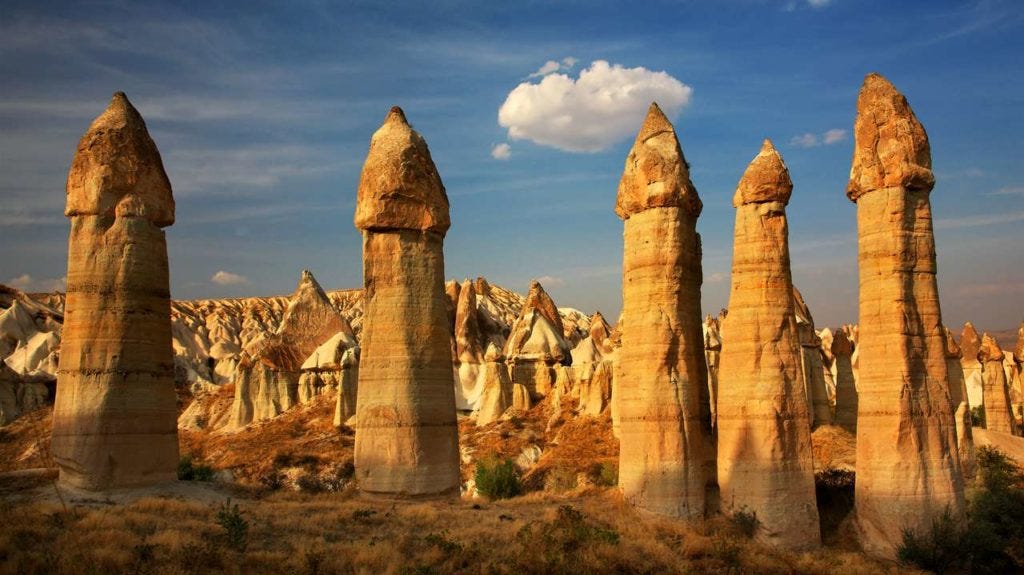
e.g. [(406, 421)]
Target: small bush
[(309, 482), (189, 470), (560, 478), (236, 528), (497, 479), (272, 480), (940, 549), (746, 522), (441, 541), (978, 416), (608, 474), (553, 545)]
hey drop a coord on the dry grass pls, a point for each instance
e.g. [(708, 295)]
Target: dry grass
[(834, 448), (341, 533), (25, 442)]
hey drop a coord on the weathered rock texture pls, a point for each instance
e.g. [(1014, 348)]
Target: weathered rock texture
[(496, 395), (666, 459), (269, 379), (764, 430), (813, 368), (970, 345), (712, 353), (406, 437), (115, 418), (961, 407), (537, 344), (846, 387), (908, 471), (998, 414)]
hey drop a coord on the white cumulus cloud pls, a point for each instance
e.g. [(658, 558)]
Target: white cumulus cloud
[(27, 283), (833, 136), (605, 104), (501, 151), (225, 278), (807, 140)]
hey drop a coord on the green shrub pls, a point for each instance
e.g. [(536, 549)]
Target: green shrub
[(497, 478), (608, 474), (978, 416), (189, 470), (992, 538), (940, 549), (236, 528)]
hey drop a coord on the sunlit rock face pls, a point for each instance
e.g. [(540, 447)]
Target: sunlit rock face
[(817, 393), (970, 345), (846, 385), (908, 471), (998, 410), (666, 459), (764, 432), (115, 420), (961, 406), (406, 437)]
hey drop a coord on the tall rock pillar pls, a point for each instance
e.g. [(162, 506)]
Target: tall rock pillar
[(764, 427), (908, 471), (846, 385), (998, 410), (961, 406), (115, 418), (666, 457), (406, 440)]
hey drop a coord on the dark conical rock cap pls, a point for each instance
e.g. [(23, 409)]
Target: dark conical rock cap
[(117, 169), (841, 344), (890, 146), (656, 174), (765, 180), (953, 350), (400, 187)]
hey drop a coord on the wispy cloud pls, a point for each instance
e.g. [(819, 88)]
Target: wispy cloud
[(812, 140), (552, 66), (979, 220), (226, 278), (1008, 191), (501, 151), (27, 283), (551, 281)]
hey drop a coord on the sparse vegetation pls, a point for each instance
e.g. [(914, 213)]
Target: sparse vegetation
[(497, 478), (991, 537), (236, 528), (189, 470), (746, 522), (978, 416)]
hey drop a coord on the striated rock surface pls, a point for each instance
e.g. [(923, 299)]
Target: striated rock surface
[(908, 471), (115, 418), (496, 395), (961, 406), (970, 345), (469, 350), (764, 431), (846, 386), (537, 343), (269, 378), (998, 409), (712, 352), (666, 458), (406, 438), (817, 392)]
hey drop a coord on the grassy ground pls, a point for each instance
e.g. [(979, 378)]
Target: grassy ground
[(287, 532)]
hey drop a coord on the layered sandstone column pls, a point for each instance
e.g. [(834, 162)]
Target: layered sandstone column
[(960, 405), (764, 428), (998, 411), (712, 351), (908, 471), (115, 418), (970, 345), (666, 455), (846, 386), (406, 440), (813, 368)]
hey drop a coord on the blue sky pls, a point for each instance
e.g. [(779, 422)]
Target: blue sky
[(263, 114)]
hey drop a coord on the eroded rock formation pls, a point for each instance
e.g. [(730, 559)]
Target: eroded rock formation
[(817, 392), (406, 437), (970, 345), (764, 429), (666, 459), (961, 406), (998, 410), (496, 395), (908, 471), (712, 352), (115, 418), (537, 344), (846, 386)]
